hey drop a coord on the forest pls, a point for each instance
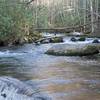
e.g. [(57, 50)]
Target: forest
[(18, 18)]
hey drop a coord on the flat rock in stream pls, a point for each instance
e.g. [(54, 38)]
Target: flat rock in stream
[(73, 50), (13, 89)]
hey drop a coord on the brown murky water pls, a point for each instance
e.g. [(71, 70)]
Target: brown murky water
[(62, 78)]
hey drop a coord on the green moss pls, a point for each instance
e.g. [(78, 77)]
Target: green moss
[(91, 49), (81, 39), (56, 40)]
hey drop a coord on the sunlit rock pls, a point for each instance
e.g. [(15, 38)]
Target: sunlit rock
[(73, 50)]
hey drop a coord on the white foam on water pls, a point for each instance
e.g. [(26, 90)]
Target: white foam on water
[(8, 53), (87, 41), (77, 33)]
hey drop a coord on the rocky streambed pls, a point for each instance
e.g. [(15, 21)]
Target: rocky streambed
[(80, 46), (48, 76)]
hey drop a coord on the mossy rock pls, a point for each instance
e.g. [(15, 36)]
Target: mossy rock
[(82, 39), (56, 40), (73, 51)]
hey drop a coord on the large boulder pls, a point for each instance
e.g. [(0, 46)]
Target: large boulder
[(73, 50)]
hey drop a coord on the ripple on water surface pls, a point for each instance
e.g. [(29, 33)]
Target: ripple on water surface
[(64, 78)]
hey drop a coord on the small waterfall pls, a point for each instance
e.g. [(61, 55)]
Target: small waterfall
[(13, 89)]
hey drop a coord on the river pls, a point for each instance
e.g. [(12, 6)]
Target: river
[(62, 78)]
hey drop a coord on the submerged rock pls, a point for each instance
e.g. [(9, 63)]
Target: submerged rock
[(73, 50), (96, 41), (73, 39)]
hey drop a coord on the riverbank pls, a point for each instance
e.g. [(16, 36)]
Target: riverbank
[(11, 41), (41, 38)]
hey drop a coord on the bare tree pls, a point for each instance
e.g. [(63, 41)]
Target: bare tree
[(30, 1)]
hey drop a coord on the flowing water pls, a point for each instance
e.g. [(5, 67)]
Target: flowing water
[(62, 78)]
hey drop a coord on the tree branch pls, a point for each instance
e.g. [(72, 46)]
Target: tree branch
[(30, 2)]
